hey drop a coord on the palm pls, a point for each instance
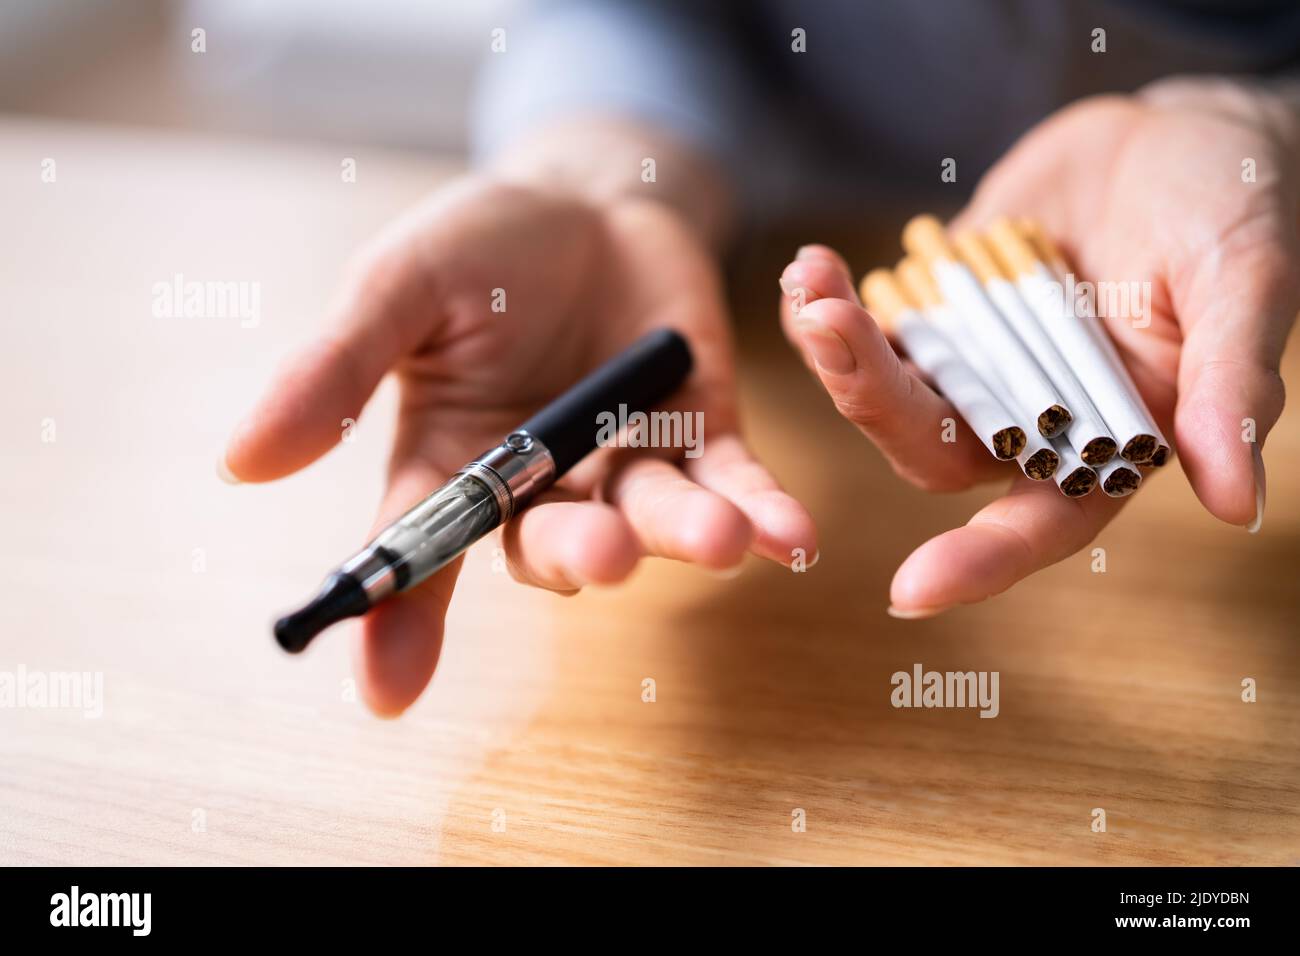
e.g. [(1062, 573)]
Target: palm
[(513, 335), (1143, 190), (1139, 208)]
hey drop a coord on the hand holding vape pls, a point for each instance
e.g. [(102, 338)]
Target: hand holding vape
[(492, 488)]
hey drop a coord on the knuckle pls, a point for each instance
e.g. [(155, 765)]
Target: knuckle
[(857, 409), (940, 482), (375, 272)]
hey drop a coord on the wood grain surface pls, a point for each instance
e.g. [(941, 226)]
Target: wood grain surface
[(122, 554)]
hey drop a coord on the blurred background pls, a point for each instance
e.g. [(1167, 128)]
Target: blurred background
[(324, 70)]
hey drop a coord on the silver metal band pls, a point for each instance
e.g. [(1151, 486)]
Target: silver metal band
[(378, 578), (515, 470), (495, 483)]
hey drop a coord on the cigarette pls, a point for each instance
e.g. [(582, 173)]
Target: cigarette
[(920, 286), (1039, 267), (1088, 433), (1119, 478), (1161, 457), (1031, 391), (936, 356), (1074, 477), (1037, 459)]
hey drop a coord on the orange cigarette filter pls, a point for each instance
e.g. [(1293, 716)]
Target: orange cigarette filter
[(978, 256), (1014, 252), (1044, 248), (885, 297), (925, 238), (918, 282)]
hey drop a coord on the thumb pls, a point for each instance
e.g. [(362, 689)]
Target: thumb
[(1236, 312)]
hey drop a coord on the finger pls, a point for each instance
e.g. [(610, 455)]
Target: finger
[(817, 272), (673, 517), (902, 415), (401, 638), (1237, 310), (566, 545), (817, 251), (782, 528), (1033, 526), (822, 271), (381, 315)]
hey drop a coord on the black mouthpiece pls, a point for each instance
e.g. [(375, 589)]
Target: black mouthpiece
[(340, 597)]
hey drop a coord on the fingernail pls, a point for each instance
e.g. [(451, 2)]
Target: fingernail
[(797, 554), (1260, 486), (790, 288), (727, 574), (915, 613), (828, 350), (808, 252), (224, 472)]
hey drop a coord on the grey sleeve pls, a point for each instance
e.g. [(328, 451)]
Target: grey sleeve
[(663, 63)]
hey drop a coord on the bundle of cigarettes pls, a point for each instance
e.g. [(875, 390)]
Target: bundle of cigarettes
[(1036, 377)]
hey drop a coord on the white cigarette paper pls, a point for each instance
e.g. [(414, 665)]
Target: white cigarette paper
[(1052, 258), (936, 356), (1038, 460), (1031, 392), (1093, 324), (1087, 433), (1090, 352)]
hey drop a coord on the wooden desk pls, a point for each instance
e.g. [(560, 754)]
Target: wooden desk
[(122, 553)]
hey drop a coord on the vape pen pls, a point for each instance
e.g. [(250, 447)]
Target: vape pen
[(493, 487)]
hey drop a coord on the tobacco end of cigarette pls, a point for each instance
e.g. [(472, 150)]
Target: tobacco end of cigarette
[(1161, 456), (975, 253), (1099, 451), (1122, 482), (1012, 250), (1042, 464), (1008, 443), (1139, 449), (1054, 421), (917, 280), (924, 236), (884, 297), (1079, 482)]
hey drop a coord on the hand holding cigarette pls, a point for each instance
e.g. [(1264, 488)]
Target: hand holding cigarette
[(1144, 194)]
